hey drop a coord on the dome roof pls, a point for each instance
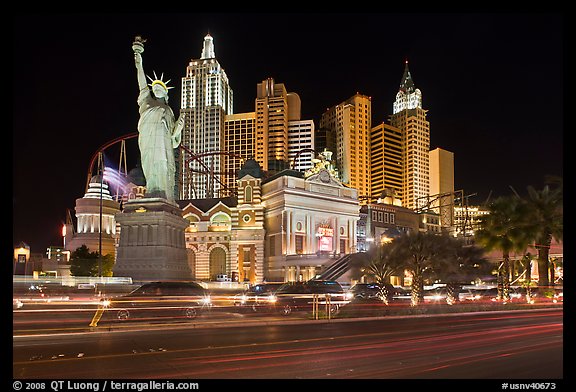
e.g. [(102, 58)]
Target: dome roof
[(96, 179), (136, 176), (250, 167), (95, 191)]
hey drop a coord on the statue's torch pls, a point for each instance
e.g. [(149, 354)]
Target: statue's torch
[(138, 44)]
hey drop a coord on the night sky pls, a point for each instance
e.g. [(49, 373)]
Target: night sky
[(492, 84)]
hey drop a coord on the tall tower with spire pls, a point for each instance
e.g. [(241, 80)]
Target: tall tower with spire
[(206, 99), (410, 118)]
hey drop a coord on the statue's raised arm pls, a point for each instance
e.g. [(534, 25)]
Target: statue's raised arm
[(138, 48), (158, 133)]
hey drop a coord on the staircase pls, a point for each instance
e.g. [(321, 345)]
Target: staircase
[(336, 269)]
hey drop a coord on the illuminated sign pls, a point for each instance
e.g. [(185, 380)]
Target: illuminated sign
[(325, 234), (325, 231), (325, 244)]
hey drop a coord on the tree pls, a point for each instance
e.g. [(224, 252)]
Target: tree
[(545, 221), (85, 263), (460, 264), (384, 263), (504, 229), (417, 253), (107, 264)]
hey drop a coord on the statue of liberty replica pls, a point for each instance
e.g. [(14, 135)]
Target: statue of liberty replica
[(159, 133), (152, 244)]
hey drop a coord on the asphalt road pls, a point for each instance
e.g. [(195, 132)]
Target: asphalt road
[(482, 345)]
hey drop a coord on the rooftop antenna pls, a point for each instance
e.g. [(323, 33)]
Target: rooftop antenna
[(488, 198), (514, 190)]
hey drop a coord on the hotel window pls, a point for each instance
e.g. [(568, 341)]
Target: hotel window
[(299, 244), (272, 246), (248, 194), (342, 246)]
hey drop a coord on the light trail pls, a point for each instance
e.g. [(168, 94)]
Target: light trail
[(327, 352)]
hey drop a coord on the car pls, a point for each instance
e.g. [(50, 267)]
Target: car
[(160, 300), (517, 294), (365, 291), (403, 294), (301, 296), (558, 296), (435, 295), (37, 293), (373, 291), (259, 297), (467, 295), (16, 303)]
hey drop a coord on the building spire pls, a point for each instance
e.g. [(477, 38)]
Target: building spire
[(408, 97), (407, 84), (208, 48)]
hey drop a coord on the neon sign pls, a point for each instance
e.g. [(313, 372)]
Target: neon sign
[(325, 231)]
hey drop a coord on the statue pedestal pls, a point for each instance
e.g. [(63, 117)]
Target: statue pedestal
[(152, 246)]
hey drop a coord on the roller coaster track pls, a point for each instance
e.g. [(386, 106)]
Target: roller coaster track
[(192, 157)]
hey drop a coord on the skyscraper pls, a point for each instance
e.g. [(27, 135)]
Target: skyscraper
[(240, 145), (386, 170), (410, 118), (278, 117), (351, 122), (301, 144), (206, 99), (442, 185)]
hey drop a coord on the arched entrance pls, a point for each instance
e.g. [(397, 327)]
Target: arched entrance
[(217, 262)]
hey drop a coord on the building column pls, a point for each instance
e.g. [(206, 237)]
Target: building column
[(354, 236), (287, 232), (313, 239), (337, 236), (307, 243), (292, 233), (253, 273), (240, 263), (259, 258)]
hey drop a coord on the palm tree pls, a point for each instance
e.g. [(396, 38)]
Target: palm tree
[(383, 263), (418, 252), (503, 229), (545, 221), (461, 263)]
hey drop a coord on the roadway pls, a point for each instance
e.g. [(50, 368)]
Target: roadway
[(479, 345)]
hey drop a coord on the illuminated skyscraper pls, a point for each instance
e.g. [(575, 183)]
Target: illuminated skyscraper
[(410, 118), (300, 144), (240, 144), (206, 99), (278, 126), (351, 122), (386, 170), (442, 185)]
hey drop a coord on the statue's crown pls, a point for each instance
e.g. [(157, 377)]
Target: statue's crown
[(159, 81)]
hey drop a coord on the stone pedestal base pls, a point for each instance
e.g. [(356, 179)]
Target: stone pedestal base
[(152, 246)]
